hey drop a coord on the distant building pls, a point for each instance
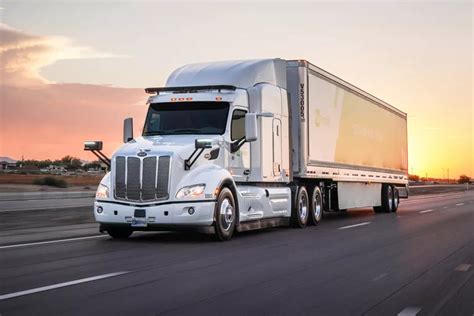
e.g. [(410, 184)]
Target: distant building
[(6, 163)]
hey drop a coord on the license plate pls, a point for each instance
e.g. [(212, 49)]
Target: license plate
[(139, 222)]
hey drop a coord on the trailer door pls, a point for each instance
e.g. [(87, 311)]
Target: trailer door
[(276, 147)]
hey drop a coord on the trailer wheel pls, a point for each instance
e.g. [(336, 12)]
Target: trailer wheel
[(301, 209), (316, 206), (387, 198), (225, 215), (119, 232), (396, 200)]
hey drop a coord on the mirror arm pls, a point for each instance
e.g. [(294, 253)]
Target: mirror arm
[(102, 157), (188, 163), (237, 144)]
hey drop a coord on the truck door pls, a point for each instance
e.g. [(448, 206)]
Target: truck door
[(239, 161), (276, 147)]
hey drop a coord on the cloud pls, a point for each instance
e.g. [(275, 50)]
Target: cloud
[(44, 120), (22, 55)]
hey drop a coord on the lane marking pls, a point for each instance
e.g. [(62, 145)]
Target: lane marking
[(380, 276), (410, 311), (49, 242), (426, 211), (356, 225), (59, 285), (459, 204), (463, 267), (445, 207)]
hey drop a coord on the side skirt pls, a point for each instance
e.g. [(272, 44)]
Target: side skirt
[(263, 223)]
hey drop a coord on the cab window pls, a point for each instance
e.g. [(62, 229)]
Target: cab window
[(237, 130)]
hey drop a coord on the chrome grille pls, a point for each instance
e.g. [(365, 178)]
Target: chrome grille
[(144, 179)]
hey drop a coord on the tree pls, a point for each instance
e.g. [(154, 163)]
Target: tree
[(413, 177), (464, 179)]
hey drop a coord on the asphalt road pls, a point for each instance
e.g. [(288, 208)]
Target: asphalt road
[(417, 261)]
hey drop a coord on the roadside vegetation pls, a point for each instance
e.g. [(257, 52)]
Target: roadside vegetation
[(51, 181)]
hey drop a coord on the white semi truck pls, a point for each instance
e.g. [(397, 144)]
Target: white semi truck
[(239, 145)]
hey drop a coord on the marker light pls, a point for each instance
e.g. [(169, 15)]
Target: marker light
[(218, 98)]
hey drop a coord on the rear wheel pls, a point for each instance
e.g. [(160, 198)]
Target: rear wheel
[(119, 232), (301, 210), (225, 215), (316, 209), (396, 200), (387, 198)]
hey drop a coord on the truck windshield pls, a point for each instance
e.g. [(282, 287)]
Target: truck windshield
[(186, 118)]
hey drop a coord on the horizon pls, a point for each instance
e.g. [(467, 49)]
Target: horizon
[(80, 79)]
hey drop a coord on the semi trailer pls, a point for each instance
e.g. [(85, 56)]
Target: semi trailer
[(239, 145)]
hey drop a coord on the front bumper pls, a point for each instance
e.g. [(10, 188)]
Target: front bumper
[(160, 215)]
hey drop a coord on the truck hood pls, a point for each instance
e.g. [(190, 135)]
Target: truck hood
[(180, 145)]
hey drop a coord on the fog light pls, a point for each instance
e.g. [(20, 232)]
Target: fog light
[(191, 210), (99, 209)]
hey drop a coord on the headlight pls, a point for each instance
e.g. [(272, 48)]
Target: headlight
[(102, 192), (192, 191)]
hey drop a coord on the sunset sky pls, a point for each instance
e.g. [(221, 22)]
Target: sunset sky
[(72, 70)]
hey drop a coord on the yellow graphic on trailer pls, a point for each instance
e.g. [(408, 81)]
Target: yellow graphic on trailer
[(359, 133)]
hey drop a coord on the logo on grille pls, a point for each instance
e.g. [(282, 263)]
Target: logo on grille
[(141, 153)]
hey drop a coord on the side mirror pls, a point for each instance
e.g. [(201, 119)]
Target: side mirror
[(203, 143), (251, 127), (127, 130), (92, 145)]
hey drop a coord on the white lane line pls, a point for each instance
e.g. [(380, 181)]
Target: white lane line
[(445, 207), (50, 242), (426, 211), (59, 285), (410, 311), (380, 276), (356, 225), (459, 204), (463, 267)]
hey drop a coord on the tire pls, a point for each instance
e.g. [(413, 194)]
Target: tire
[(300, 213), (387, 198), (316, 207), (119, 232), (396, 200), (225, 215), (378, 209)]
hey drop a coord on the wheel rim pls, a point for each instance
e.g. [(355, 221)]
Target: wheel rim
[(303, 207), (390, 198), (226, 214), (395, 201), (317, 206)]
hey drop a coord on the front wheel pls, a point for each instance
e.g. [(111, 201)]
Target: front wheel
[(225, 214)]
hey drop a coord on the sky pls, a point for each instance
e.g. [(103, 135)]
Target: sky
[(73, 70)]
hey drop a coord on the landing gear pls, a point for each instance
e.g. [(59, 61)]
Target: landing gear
[(301, 209)]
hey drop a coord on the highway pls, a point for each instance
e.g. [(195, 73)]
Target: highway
[(418, 261)]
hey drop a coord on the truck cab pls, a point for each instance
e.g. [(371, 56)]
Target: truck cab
[(205, 150)]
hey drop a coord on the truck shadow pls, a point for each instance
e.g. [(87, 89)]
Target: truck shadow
[(180, 237)]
